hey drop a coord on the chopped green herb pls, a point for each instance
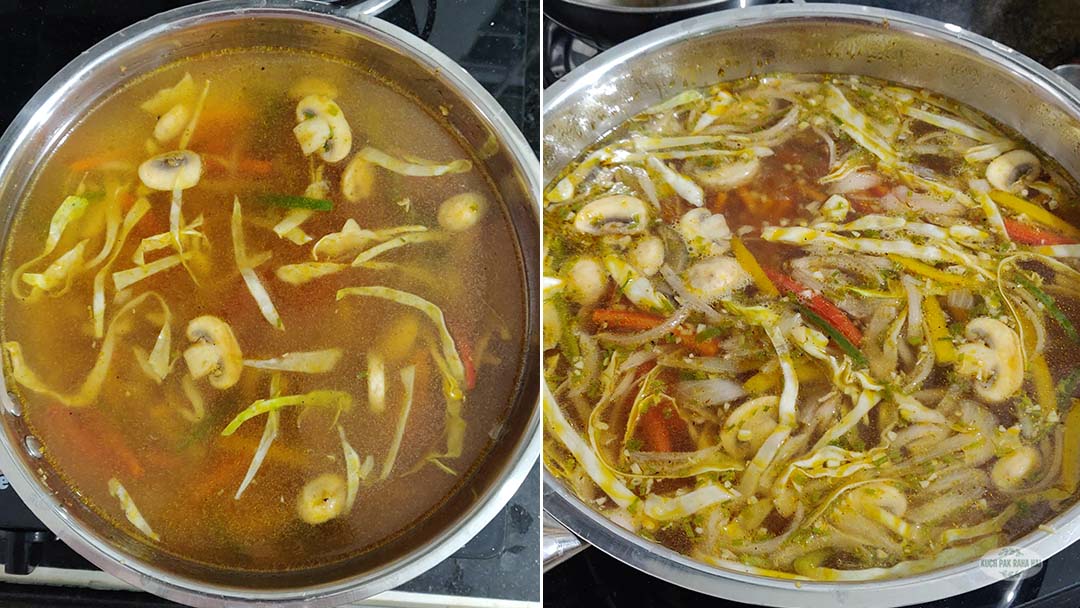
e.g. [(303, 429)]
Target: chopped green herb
[(297, 202), (1051, 307), (849, 349)]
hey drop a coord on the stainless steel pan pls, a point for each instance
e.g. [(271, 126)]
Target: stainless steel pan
[(809, 38), (435, 81), (605, 23)]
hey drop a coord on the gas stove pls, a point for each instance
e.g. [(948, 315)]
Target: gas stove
[(497, 41), (1047, 31)]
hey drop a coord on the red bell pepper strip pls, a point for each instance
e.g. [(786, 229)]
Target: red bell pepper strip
[(817, 303), (1026, 234)]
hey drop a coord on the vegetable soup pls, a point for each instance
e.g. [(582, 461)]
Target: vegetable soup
[(815, 326), (263, 310)]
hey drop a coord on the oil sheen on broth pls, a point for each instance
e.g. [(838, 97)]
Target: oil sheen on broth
[(267, 325), (814, 326)]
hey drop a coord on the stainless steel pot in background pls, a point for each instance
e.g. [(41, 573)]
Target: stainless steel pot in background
[(434, 81), (605, 23), (604, 92)]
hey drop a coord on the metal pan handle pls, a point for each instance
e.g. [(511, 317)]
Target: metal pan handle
[(1070, 72), (559, 543), (366, 8)]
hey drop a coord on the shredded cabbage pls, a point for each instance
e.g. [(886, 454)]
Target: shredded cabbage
[(311, 362), (352, 238), (355, 472), (432, 311), (394, 243), (289, 226), (91, 387), (558, 424), (408, 380), (376, 382), (635, 286), (126, 278), (858, 126), (69, 211), (270, 432), (117, 490), (113, 217), (247, 271), (413, 166), (298, 274), (60, 272), (198, 404), (682, 185), (685, 98), (133, 216), (663, 508), (318, 398)]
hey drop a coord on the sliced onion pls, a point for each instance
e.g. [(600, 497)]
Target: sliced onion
[(713, 391), (960, 298), (855, 181), (914, 308)]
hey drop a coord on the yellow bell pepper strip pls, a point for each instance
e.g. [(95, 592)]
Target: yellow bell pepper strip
[(1035, 212), (750, 265), (1044, 385), (931, 272), (1070, 458), (944, 350)]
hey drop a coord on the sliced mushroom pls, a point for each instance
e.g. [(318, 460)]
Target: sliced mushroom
[(704, 232), (322, 499), (462, 211), (358, 179), (1012, 469), (179, 169), (321, 127), (1012, 170), (172, 123), (615, 214), (747, 427), (716, 278), (586, 281), (726, 176), (647, 255), (992, 358), (215, 352)]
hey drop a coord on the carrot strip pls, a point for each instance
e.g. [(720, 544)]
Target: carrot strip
[(641, 321), (654, 428), (99, 442), (817, 303)]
